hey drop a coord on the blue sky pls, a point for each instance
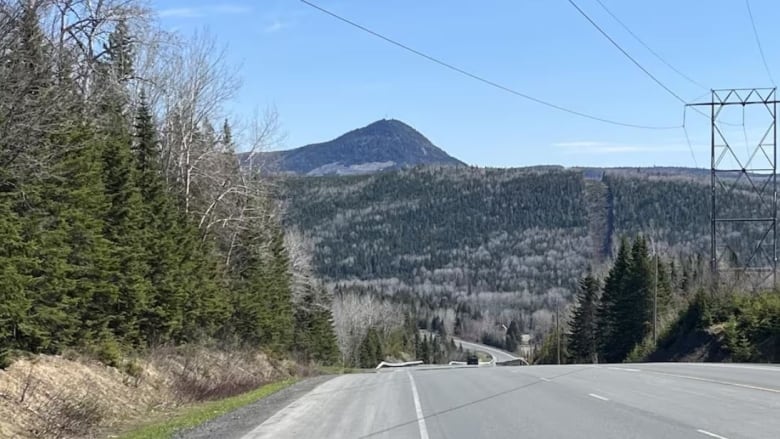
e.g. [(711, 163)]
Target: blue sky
[(326, 78)]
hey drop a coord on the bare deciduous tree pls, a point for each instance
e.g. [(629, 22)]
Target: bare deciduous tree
[(354, 314), (197, 85)]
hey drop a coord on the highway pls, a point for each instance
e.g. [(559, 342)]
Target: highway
[(497, 354), (653, 400)]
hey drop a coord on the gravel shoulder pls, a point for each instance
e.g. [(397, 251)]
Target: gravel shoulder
[(238, 423)]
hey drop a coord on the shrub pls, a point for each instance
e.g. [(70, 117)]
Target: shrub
[(134, 370), (106, 350), (67, 414), (5, 358), (204, 377)]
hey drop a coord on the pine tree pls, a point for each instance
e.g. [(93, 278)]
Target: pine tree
[(583, 343), (163, 317), (370, 352), (72, 287), (262, 286), (120, 51), (608, 309), (227, 137), (124, 221), (635, 306), (279, 294), (14, 300), (665, 282), (207, 306), (314, 338), (513, 336)]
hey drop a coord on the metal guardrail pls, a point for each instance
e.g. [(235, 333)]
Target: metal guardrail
[(406, 364)]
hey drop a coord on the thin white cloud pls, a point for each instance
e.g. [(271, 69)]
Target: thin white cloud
[(180, 13), (230, 9), (202, 11), (276, 26), (578, 144), (597, 147)]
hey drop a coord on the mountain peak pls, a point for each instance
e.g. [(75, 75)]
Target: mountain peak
[(381, 145)]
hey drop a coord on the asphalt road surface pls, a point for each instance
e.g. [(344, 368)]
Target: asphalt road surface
[(652, 400), (497, 354)]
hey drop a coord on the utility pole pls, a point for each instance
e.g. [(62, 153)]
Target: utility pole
[(655, 300), (558, 329), (655, 294)]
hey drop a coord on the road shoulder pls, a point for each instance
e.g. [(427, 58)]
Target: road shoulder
[(238, 423)]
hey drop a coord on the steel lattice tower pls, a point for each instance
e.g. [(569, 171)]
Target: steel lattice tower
[(743, 187)]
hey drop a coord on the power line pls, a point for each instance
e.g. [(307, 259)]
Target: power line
[(688, 138), (649, 49), (487, 81), (636, 63), (631, 58), (758, 42)]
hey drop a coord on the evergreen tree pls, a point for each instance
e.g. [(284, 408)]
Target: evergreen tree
[(583, 342), (14, 300), (163, 317), (609, 306), (513, 336), (314, 338), (123, 228), (124, 221), (72, 283), (120, 51), (278, 293), (262, 294), (206, 306), (635, 305), (370, 352), (664, 284), (227, 136)]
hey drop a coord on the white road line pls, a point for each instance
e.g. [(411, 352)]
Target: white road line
[(545, 379), (418, 409), (598, 397), (625, 369), (707, 380), (716, 436), (721, 365)]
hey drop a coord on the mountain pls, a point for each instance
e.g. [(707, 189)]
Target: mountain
[(383, 145)]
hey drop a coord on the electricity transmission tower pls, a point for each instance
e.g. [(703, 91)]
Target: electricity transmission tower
[(743, 188)]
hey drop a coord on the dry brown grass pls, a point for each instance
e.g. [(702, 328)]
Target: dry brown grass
[(70, 396), (198, 374)]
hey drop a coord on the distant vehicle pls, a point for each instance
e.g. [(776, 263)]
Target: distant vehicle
[(472, 359)]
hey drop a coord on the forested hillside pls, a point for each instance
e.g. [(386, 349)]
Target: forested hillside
[(488, 246), (125, 220)]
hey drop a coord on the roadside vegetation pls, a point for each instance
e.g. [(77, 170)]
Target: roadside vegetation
[(129, 230), (613, 320), (193, 416), (73, 395), (734, 327)]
